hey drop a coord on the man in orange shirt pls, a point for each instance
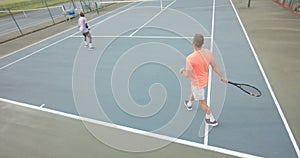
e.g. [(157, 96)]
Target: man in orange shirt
[(197, 65)]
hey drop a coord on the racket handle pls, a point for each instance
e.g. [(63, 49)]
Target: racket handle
[(230, 82)]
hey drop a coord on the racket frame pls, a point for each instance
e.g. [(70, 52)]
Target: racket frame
[(239, 85)]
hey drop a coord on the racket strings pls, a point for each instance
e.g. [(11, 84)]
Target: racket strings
[(253, 91)]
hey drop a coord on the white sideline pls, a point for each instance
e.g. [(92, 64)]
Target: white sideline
[(145, 37), (206, 129), (290, 133)]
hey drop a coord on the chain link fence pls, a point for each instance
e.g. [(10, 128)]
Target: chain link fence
[(291, 5)]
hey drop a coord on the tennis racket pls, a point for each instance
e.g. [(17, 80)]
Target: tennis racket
[(249, 89)]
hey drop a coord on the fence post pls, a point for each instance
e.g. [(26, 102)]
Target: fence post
[(49, 11), (249, 3), (15, 21), (74, 6), (83, 9), (97, 9)]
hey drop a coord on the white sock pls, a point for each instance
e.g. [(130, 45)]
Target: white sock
[(85, 43), (189, 103), (210, 117), (90, 45), (207, 116)]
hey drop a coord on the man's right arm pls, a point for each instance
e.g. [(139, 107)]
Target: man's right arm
[(215, 67)]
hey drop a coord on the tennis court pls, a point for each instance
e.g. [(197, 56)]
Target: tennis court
[(131, 83)]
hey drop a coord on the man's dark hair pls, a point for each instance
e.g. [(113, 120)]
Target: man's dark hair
[(198, 40), (81, 14)]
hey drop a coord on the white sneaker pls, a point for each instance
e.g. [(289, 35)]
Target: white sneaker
[(214, 123), (189, 107), (90, 46)]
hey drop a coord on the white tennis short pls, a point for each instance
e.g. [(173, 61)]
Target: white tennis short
[(198, 92)]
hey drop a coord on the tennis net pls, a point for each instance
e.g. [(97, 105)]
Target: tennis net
[(157, 3)]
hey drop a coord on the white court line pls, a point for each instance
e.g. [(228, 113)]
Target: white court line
[(206, 129), (34, 43), (137, 30), (179, 141), (132, 130), (146, 37), (290, 133), (127, 1), (156, 15), (60, 33), (24, 57), (200, 7)]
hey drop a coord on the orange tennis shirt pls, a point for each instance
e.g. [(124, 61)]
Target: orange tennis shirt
[(198, 63)]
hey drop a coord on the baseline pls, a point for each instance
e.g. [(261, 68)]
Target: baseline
[(132, 130)]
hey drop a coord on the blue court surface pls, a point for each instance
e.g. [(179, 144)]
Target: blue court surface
[(131, 79)]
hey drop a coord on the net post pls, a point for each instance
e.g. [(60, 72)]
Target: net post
[(161, 6), (15, 21)]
